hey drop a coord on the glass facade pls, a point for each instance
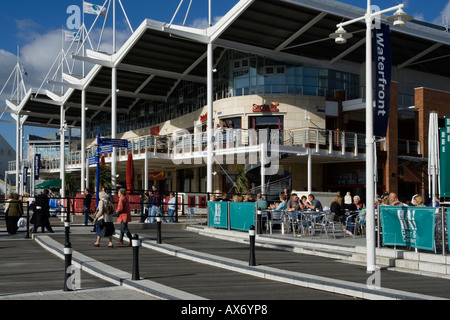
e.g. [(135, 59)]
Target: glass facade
[(238, 74), (246, 74)]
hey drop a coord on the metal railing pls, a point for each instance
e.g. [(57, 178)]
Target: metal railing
[(187, 144)]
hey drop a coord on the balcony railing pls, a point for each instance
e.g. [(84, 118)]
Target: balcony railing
[(172, 146)]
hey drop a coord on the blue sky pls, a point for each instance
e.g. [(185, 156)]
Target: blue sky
[(36, 26)]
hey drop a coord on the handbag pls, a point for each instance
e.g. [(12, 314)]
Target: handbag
[(21, 223), (100, 223)]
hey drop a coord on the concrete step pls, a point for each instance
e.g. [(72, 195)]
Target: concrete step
[(342, 249)]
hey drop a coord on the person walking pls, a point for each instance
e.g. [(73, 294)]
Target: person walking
[(123, 210), (172, 207), (14, 212), (41, 215), (87, 207), (156, 209), (105, 212), (149, 203)]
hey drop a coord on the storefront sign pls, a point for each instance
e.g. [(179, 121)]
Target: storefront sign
[(266, 108), (408, 226), (204, 118), (159, 176), (154, 131), (383, 64)]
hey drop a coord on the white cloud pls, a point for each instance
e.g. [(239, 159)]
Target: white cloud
[(444, 13)]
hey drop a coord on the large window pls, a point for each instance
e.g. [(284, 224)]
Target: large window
[(244, 74)]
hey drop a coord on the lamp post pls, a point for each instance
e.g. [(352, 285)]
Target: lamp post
[(341, 37)]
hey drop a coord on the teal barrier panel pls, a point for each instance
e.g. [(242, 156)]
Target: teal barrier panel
[(218, 214), (242, 215), (408, 226), (448, 230)]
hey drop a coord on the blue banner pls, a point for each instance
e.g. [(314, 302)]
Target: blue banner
[(408, 226), (37, 166), (383, 74), (25, 176)]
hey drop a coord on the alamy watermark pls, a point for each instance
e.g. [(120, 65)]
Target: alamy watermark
[(75, 18), (231, 146), (73, 282)]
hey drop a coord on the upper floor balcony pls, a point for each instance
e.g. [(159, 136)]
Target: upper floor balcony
[(184, 145)]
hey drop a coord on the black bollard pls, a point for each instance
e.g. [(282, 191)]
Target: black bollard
[(252, 260), (259, 221), (27, 235), (67, 231), (136, 243), (158, 222), (68, 264)]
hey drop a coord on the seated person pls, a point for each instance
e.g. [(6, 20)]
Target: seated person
[(313, 203), (357, 204), (293, 203), (261, 204), (336, 207), (281, 205)]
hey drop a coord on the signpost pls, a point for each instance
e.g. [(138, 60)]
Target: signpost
[(104, 145)]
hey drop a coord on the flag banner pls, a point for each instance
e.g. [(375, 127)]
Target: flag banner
[(70, 36), (25, 176), (408, 226), (90, 8), (37, 166), (383, 74), (218, 214)]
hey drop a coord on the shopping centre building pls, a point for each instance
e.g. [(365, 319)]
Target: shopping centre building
[(170, 91)]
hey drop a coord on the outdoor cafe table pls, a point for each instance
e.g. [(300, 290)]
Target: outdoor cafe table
[(304, 219)]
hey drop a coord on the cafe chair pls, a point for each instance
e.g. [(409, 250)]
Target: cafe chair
[(292, 221), (360, 224), (276, 218), (350, 224), (324, 223)]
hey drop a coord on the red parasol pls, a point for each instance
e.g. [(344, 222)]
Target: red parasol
[(130, 174)]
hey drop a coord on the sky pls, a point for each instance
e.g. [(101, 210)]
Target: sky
[(36, 27)]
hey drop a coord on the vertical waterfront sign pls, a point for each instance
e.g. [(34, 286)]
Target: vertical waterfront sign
[(37, 166), (383, 74)]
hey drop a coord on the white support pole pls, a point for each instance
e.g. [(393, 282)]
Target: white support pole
[(114, 127), (21, 167), (146, 169), (83, 140), (86, 161), (309, 171), (210, 89), (114, 26), (62, 162), (18, 153), (370, 192), (263, 167)]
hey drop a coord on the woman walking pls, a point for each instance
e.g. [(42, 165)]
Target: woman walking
[(123, 210), (105, 212), (15, 211)]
